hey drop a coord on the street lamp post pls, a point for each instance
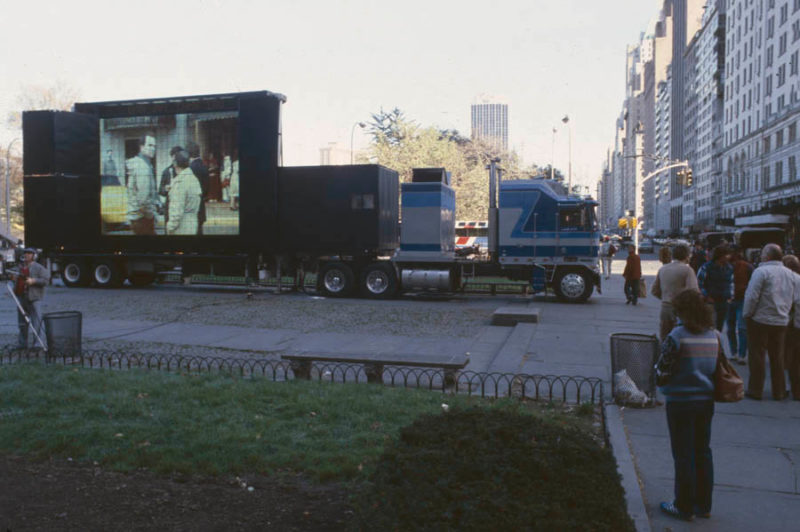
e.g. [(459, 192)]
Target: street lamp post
[(569, 172), (8, 187), (362, 125), (553, 156)]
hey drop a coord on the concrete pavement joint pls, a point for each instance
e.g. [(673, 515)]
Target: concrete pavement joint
[(627, 469)]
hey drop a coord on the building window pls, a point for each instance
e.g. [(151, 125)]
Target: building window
[(765, 178), (770, 27), (768, 86), (784, 13), (769, 55), (792, 168), (778, 138), (793, 132), (766, 144), (793, 64), (795, 30), (781, 75), (782, 44), (781, 102), (778, 173)]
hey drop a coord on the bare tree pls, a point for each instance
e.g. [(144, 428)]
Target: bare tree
[(59, 97)]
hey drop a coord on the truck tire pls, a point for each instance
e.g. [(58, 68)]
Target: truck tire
[(379, 281), (573, 286), (74, 273), (336, 279), (105, 274)]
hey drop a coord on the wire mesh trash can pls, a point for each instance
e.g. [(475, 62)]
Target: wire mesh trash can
[(63, 332), (637, 354)]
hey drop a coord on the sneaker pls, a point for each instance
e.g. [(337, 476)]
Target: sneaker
[(671, 510)]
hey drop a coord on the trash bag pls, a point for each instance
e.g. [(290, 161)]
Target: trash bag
[(626, 391)]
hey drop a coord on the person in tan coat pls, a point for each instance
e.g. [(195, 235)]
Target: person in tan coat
[(672, 279)]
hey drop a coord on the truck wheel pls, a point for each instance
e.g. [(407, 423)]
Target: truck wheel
[(573, 286), (379, 281), (336, 279), (105, 274), (74, 273)]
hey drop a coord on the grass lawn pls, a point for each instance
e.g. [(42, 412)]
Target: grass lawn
[(371, 437)]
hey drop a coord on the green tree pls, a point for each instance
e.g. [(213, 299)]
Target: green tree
[(402, 144)]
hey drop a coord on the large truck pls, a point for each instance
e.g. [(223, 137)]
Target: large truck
[(108, 197)]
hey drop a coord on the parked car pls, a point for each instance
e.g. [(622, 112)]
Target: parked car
[(646, 246)]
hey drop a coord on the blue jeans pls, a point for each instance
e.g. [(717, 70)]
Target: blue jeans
[(632, 290), (690, 435), (737, 327), (720, 314)]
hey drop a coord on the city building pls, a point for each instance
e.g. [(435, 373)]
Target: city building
[(762, 108), (334, 154), (490, 121)]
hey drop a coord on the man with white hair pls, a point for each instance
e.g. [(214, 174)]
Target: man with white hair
[(767, 303)]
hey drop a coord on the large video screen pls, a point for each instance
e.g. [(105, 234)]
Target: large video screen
[(170, 174)]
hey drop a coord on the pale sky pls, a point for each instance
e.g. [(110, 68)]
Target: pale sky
[(338, 61)]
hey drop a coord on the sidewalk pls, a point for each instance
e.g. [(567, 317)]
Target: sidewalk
[(756, 446), (756, 449)]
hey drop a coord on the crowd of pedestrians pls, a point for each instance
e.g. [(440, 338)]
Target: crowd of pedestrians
[(700, 295)]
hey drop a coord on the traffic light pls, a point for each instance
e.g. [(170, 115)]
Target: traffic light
[(681, 175), (688, 177)]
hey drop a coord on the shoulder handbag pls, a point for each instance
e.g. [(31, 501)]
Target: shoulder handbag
[(728, 385), (642, 287)]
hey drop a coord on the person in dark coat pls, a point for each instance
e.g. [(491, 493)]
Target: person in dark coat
[(632, 275), (737, 328), (167, 176), (715, 279), (200, 171)]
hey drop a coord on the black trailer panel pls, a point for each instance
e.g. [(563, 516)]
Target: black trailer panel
[(241, 128), (61, 211), (338, 210), (59, 142)]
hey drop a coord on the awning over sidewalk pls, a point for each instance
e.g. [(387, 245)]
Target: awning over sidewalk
[(762, 219)]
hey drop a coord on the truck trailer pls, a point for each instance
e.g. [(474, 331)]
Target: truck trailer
[(111, 194)]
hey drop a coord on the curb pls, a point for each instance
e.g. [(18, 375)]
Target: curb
[(624, 457)]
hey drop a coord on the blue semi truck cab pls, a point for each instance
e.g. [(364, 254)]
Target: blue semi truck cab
[(549, 233), (537, 233)]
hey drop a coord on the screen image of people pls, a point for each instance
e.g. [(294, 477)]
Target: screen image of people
[(170, 175)]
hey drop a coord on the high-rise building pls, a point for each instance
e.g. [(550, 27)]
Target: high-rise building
[(762, 111), (490, 122)]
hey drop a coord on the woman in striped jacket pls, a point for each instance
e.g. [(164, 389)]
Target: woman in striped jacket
[(685, 373)]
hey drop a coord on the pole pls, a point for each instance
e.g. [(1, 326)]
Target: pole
[(569, 170), (8, 187), (352, 133), (553, 156)]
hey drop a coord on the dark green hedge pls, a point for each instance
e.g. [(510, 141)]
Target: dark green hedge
[(493, 470)]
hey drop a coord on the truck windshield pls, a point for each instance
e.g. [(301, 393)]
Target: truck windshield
[(573, 219)]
